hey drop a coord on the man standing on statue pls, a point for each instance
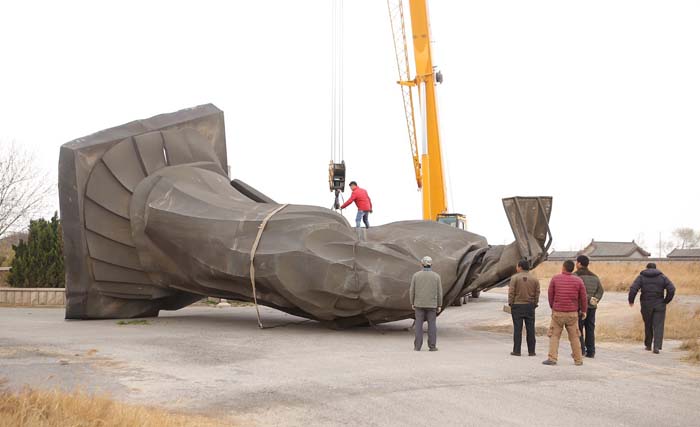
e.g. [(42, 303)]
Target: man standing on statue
[(363, 202)]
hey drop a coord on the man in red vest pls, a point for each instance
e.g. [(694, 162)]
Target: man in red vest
[(567, 298), (363, 202)]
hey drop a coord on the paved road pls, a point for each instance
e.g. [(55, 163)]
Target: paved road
[(216, 361)]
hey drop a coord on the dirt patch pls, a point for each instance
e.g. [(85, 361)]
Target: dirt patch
[(508, 329), (617, 322), (64, 358), (133, 322), (18, 352)]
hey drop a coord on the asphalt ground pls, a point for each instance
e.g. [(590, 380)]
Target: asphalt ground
[(296, 372)]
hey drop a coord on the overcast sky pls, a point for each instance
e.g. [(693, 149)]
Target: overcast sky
[(595, 103)]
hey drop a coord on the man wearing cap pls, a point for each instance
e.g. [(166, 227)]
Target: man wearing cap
[(425, 295), (653, 284), (594, 292)]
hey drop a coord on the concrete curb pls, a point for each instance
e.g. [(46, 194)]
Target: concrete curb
[(33, 297)]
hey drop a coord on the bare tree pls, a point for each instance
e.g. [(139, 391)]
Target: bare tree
[(640, 240), (664, 246), (24, 189), (686, 237)]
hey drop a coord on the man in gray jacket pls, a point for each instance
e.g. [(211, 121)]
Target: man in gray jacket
[(425, 294), (594, 292)]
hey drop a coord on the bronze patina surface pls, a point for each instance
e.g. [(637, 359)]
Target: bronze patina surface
[(151, 222)]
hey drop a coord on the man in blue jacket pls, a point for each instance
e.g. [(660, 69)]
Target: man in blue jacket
[(653, 284)]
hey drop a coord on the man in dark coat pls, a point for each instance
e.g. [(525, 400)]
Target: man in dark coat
[(653, 284), (594, 292)]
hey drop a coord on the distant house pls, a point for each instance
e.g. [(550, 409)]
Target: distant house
[(562, 255), (684, 253), (614, 250)]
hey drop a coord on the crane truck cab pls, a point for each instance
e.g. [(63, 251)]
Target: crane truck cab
[(453, 219)]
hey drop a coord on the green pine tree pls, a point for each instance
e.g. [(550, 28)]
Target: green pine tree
[(38, 262)]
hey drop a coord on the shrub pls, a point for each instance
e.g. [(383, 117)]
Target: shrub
[(38, 262)]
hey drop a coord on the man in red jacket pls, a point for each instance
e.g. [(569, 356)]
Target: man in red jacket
[(363, 202), (567, 298)]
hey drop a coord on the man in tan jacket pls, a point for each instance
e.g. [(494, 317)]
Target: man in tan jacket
[(523, 298), (425, 294)]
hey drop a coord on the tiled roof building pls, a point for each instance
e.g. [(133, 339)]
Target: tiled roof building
[(684, 253), (598, 250)]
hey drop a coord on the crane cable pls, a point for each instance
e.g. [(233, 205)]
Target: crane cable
[(337, 76), (337, 103)]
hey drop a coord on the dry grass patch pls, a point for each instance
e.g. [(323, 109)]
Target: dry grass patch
[(693, 349), (37, 408), (617, 322), (682, 323), (618, 276)]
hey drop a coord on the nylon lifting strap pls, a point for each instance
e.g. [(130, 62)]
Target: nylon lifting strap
[(261, 228)]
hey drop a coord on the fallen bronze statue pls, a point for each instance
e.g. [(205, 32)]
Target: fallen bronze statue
[(152, 222)]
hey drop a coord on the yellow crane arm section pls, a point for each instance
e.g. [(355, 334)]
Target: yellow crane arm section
[(429, 171)]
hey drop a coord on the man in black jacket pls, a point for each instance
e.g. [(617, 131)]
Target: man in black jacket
[(652, 283)]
